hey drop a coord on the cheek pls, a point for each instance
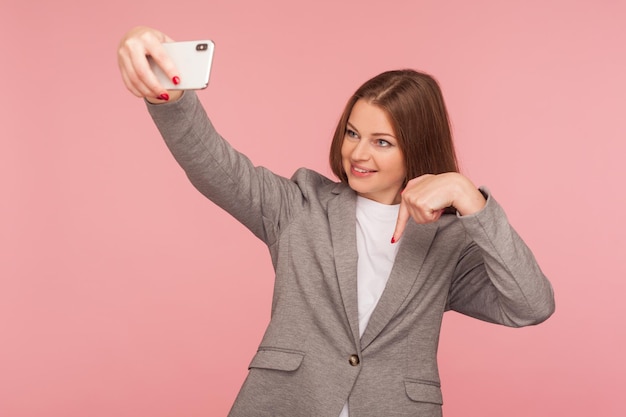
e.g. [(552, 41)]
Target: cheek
[(400, 165), (345, 150), (344, 160)]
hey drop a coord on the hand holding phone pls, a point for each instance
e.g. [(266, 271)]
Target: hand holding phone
[(193, 60)]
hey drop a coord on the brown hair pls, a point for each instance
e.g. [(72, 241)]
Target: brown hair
[(414, 103)]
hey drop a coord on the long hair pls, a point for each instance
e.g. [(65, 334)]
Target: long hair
[(415, 106)]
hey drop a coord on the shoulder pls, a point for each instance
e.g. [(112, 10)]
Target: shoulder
[(306, 175), (317, 186), (313, 180)]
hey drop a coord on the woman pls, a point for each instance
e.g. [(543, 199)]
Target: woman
[(365, 267)]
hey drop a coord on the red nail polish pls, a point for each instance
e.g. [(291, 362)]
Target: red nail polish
[(176, 80), (393, 239), (164, 96)]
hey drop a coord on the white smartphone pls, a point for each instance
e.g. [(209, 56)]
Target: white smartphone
[(193, 60)]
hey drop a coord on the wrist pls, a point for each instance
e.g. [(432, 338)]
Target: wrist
[(468, 198)]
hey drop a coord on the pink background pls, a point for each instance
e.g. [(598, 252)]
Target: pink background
[(124, 293)]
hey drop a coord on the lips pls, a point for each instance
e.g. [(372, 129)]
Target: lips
[(361, 171)]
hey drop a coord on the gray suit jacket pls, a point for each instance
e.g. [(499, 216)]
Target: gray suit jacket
[(311, 359)]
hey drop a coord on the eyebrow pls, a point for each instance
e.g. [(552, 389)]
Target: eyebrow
[(351, 126)]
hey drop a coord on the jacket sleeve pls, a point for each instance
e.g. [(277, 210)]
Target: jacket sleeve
[(497, 278), (258, 198)]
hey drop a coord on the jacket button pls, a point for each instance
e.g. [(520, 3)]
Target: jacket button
[(354, 360)]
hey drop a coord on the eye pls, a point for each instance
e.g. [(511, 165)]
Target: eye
[(352, 134), (383, 143)]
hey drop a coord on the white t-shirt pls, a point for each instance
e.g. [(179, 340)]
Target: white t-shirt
[(375, 224)]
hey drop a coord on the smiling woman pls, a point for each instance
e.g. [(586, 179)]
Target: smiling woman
[(356, 318), (416, 113), (372, 160)]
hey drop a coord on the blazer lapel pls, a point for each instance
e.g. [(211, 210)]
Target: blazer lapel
[(342, 218), (414, 246)]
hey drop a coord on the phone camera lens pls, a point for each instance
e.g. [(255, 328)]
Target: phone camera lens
[(201, 47)]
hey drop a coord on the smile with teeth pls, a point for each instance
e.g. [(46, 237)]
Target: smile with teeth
[(362, 170)]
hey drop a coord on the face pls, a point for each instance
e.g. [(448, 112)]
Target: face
[(371, 157)]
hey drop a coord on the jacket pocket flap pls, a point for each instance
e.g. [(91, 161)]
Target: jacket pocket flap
[(275, 359), (423, 392)]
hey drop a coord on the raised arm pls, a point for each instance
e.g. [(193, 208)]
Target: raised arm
[(261, 200)]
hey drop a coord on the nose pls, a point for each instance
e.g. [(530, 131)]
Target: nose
[(360, 152)]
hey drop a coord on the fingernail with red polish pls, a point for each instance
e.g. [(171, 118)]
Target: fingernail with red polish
[(164, 96), (176, 80), (393, 239)]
